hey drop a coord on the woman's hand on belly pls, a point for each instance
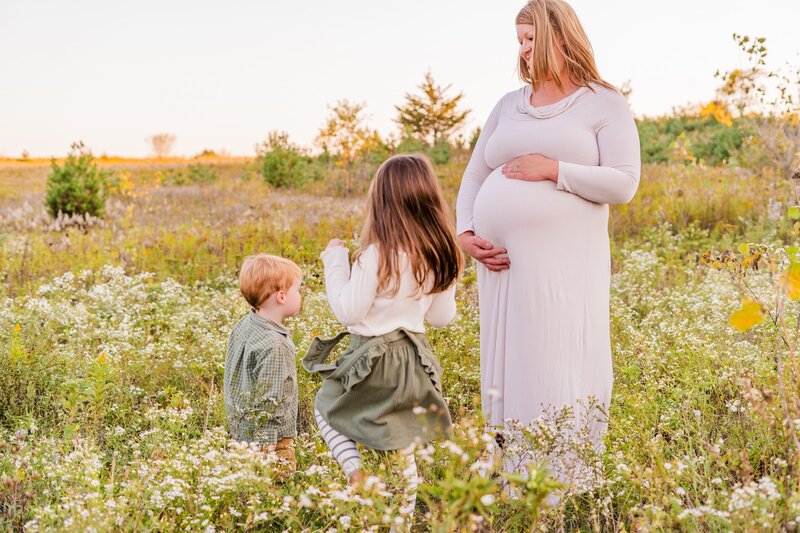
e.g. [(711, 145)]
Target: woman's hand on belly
[(484, 251), (531, 167)]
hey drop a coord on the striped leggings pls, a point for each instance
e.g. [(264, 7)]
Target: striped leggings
[(346, 453)]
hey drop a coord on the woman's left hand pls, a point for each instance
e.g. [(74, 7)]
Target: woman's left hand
[(531, 167)]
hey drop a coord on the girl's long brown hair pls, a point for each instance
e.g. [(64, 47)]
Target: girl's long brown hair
[(552, 19), (406, 212)]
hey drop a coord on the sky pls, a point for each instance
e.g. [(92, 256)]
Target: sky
[(221, 75)]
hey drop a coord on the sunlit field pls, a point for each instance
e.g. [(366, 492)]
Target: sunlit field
[(113, 334)]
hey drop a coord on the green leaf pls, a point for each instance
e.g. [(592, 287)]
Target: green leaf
[(70, 430), (744, 248), (794, 212), (791, 251)]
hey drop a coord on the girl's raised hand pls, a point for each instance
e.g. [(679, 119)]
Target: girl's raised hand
[(334, 243), (484, 251)]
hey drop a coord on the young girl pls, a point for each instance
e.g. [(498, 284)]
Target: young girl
[(385, 391)]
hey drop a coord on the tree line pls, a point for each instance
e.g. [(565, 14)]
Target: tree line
[(753, 123), (429, 120)]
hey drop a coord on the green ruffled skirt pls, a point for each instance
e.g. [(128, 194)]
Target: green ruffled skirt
[(384, 392)]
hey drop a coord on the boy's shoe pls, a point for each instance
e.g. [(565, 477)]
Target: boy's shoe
[(284, 449)]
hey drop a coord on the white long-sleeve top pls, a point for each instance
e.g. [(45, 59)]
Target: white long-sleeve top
[(591, 134), (354, 298)]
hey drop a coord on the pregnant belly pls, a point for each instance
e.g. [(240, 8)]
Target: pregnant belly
[(514, 212)]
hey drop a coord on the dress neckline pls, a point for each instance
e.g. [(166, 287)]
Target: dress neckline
[(549, 110)]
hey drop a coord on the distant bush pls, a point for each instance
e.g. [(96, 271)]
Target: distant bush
[(162, 144), (200, 173), (171, 176), (702, 139), (377, 151), (282, 163), (78, 187), (440, 152), (409, 145)]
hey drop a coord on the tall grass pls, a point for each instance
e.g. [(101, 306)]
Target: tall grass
[(112, 338)]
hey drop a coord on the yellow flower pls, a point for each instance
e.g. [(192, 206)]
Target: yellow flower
[(102, 358), (17, 328)]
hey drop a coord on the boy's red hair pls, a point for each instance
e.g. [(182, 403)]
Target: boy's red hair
[(262, 275)]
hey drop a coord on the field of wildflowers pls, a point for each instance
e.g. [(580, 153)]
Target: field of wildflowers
[(112, 343)]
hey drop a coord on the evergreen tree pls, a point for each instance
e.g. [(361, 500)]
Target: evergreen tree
[(431, 116), (77, 187)]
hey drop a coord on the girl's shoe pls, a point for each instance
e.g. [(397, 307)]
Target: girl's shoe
[(356, 479)]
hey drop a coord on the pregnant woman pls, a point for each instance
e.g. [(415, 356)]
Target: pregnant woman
[(533, 210)]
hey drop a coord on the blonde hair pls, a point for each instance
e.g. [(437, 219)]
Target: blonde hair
[(263, 275), (406, 212), (553, 19)]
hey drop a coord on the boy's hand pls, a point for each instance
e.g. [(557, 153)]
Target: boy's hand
[(334, 243)]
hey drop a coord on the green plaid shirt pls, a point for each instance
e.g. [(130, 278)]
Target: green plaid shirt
[(261, 381)]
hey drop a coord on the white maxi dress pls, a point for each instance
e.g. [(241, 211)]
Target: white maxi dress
[(544, 323)]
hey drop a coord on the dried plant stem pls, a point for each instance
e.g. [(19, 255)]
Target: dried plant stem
[(781, 388)]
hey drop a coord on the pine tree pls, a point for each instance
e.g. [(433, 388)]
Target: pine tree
[(78, 187), (432, 116)]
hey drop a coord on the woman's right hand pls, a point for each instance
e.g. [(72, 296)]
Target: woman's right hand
[(484, 251)]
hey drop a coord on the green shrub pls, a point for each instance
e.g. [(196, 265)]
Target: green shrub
[(440, 152), (171, 176), (78, 187), (722, 146), (409, 145), (32, 372), (282, 163), (200, 173), (705, 139)]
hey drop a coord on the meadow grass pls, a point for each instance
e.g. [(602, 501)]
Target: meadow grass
[(113, 334)]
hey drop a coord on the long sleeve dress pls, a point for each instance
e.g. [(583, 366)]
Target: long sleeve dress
[(544, 323)]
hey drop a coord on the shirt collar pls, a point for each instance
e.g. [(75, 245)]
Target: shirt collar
[(264, 322)]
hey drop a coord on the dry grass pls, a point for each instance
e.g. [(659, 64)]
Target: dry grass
[(191, 231), (19, 177)]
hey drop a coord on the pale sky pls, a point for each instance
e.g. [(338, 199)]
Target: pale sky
[(221, 75)]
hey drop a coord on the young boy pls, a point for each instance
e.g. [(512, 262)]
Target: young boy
[(260, 371)]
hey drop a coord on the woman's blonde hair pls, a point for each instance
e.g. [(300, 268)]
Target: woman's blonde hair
[(263, 275), (551, 20), (406, 212)]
